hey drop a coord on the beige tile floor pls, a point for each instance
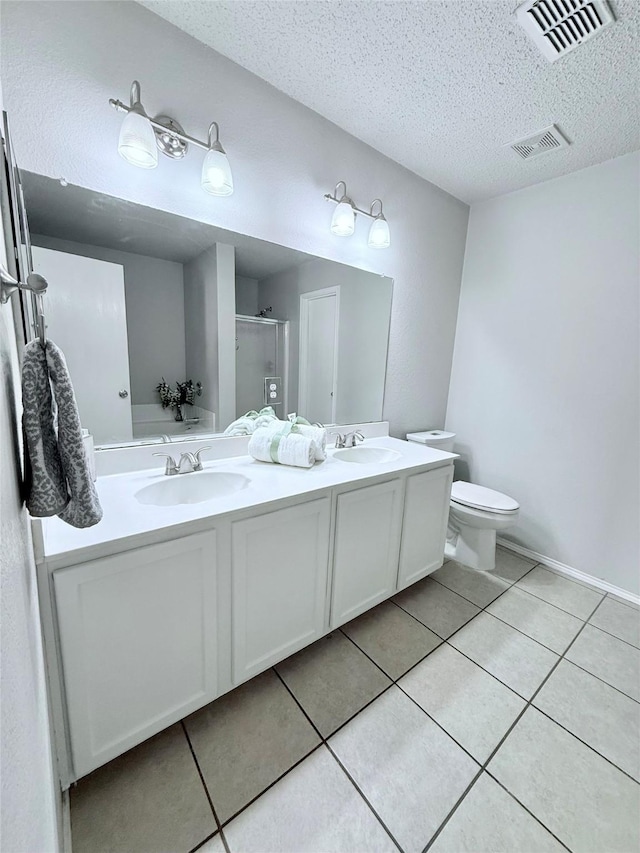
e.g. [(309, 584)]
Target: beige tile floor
[(472, 713)]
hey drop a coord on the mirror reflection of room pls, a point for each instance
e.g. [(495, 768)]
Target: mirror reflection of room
[(189, 327)]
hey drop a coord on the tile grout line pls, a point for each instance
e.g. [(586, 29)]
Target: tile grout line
[(200, 844), (504, 684), (206, 790), (466, 598), (589, 589), (359, 790), (394, 682), (609, 634), (520, 631), (464, 624), (482, 766), (553, 651), (521, 589), (484, 609), (375, 663), (630, 604), (588, 745), (348, 720), (323, 742), (270, 785), (326, 744), (528, 810), (601, 680), (295, 699), (508, 732)]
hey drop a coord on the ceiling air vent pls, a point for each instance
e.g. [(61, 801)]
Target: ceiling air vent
[(545, 140), (558, 26)]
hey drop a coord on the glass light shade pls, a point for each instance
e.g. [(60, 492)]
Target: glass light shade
[(379, 237), (137, 143), (216, 173), (343, 221)]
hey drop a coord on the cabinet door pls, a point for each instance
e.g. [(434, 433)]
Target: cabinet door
[(424, 529), (138, 640), (367, 539), (279, 587)]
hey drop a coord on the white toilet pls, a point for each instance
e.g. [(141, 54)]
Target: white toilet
[(475, 513)]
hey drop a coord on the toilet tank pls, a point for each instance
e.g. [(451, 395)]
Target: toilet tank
[(436, 438)]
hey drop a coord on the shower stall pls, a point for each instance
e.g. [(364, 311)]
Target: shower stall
[(262, 364)]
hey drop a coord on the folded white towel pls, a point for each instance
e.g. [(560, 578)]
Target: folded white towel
[(251, 421), (284, 448), (318, 434)]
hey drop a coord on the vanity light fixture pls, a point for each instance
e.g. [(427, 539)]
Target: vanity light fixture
[(141, 137), (379, 237), (343, 221), (216, 171), (344, 217)]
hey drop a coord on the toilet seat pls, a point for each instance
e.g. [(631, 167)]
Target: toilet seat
[(481, 498)]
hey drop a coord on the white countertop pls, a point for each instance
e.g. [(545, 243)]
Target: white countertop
[(57, 543)]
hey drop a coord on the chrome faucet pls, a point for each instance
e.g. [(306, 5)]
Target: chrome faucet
[(189, 462), (350, 439)]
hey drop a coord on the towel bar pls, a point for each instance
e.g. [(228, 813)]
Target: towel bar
[(36, 284)]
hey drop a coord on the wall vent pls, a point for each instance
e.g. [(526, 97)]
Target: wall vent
[(540, 143), (558, 26)]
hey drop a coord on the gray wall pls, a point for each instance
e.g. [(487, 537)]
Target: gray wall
[(365, 307), (280, 173), (246, 295), (201, 326), (30, 800), (154, 299), (209, 309), (544, 392)]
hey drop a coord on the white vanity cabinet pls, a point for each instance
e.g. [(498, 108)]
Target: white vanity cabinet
[(424, 526), (367, 539), (138, 639), (280, 564)]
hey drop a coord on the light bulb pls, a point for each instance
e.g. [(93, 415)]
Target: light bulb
[(343, 220), (379, 237), (216, 173), (137, 142)]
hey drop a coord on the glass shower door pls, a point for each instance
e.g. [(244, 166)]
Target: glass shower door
[(261, 362)]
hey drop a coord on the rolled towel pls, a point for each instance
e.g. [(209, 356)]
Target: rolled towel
[(283, 448), (266, 417), (318, 434)]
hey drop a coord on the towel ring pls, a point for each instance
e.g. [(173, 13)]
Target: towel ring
[(37, 285)]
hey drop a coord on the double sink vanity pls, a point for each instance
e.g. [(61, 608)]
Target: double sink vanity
[(193, 584)]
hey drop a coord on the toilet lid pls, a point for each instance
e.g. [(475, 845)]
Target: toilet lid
[(477, 497)]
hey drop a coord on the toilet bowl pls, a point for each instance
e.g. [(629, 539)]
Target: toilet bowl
[(475, 513)]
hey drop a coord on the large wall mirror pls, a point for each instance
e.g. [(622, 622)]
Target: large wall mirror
[(139, 297)]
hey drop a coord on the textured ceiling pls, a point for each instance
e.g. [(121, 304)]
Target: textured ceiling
[(84, 216), (437, 85)]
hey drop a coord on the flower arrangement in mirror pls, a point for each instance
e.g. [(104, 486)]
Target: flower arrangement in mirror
[(184, 393)]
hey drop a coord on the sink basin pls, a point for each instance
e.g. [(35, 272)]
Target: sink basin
[(366, 455), (191, 488)]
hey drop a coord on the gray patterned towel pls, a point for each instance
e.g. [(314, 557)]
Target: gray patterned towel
[(58, 480)]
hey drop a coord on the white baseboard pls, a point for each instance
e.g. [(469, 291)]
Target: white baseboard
[(569, 571)]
